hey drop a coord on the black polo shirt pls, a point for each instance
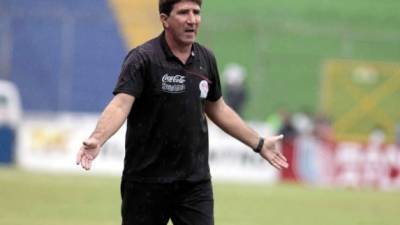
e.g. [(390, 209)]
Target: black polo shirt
[(167, 134)]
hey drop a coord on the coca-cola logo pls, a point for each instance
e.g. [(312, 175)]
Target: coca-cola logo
[(176, 79)]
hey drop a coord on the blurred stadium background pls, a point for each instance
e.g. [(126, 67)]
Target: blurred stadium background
[(324, 73)]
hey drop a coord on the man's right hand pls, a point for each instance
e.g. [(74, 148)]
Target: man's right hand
[(87, 153)]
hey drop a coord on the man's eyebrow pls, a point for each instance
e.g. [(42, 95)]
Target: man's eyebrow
[(187, 10), (183, 11)]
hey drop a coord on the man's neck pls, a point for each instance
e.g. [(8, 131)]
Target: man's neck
[(182, 52)]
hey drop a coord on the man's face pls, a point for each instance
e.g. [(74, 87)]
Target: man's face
[(183, 22)]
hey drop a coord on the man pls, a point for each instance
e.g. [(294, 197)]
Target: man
[(166, 88)]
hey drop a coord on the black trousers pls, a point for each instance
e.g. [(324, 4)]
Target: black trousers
[(185, 203)]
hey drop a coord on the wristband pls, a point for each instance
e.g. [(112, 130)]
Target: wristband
[(259, 145)]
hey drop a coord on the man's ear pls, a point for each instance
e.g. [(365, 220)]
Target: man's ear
[(163, 19)]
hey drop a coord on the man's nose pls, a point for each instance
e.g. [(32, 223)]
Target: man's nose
[(191, 18)]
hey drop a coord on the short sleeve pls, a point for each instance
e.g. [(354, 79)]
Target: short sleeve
[(215, 92), (131, 78)]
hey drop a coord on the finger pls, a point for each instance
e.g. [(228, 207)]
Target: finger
[(79, 157), (277, 138), (282, 163), (276, 165), (281, 156), (84, 163), (89, 156), (276, 159), (87, 162)]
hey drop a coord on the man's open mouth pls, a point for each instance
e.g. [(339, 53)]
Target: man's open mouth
[(189, 30)]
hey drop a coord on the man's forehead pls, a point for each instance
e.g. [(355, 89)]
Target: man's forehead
[(186, 5)]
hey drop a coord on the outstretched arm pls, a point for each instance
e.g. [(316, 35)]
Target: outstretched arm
[(112, 118), (230, 122)]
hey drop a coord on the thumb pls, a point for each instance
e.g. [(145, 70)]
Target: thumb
[(277, 138)]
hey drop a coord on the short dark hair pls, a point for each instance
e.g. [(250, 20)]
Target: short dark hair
[(166, 6)]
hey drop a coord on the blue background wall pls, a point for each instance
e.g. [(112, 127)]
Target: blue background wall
[(64, 55)]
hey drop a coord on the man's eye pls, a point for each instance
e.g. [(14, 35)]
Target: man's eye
[(182, 12)]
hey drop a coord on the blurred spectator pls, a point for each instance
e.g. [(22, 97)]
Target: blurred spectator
[(287, 129), (374, 168), (393, 171), (7, 144), (275, 120), (306, 146), (397, 133), (327, 147), (348, 160), (377, 138), (303, 122), (323, 129), (10, 115), (235, 91), (288, 148)]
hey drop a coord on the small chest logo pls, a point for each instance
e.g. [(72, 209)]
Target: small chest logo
[(203, 89), (173, 83)]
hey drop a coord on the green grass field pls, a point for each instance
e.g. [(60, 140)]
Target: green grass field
[(283, 44), (55, 199)]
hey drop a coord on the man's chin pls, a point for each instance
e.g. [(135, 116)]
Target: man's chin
[(190, 38), (188, 41)]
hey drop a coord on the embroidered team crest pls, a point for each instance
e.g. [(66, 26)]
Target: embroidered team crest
[(203, 89)]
